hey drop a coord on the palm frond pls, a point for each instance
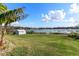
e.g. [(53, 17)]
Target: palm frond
[(12, 15)]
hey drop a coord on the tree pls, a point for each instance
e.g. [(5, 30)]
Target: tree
[(3, 8), (9, 16)]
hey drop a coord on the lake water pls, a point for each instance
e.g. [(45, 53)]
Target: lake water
[(56, 30)]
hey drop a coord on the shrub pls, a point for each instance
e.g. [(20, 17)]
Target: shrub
[(74, 35), (30, 32)]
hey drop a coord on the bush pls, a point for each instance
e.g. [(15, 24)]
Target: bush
[(30, 32), (74, 35)]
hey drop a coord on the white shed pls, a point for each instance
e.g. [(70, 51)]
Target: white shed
[(20, 31)]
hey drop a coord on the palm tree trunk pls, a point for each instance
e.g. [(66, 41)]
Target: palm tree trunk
[(3, 29), (2, 36)]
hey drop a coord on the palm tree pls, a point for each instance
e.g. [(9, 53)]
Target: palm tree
[(3, 8), (8, 17)]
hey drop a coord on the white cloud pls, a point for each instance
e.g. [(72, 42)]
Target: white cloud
[(69, 22), (46, 18), (16, 24), (74, 8), (72, 22), (54, 15), (59, 16)]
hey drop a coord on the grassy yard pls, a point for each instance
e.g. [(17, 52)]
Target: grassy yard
[(43, 45)]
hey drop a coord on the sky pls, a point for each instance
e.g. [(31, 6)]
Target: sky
[(48, 14)]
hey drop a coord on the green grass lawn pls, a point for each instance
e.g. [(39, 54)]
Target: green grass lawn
[(43, 45)]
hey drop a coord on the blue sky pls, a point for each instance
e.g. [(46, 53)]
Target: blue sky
[(48, 14)]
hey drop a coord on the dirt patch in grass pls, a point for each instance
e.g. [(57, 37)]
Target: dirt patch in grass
[(8, 47)]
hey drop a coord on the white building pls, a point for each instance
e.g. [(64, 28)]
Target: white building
[(20, 31)]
